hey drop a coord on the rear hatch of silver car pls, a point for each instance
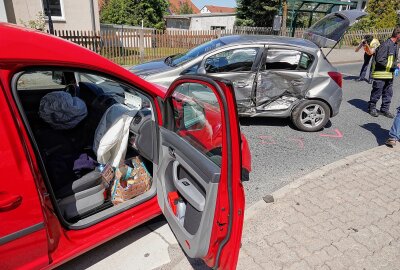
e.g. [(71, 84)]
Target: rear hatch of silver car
[(327, 32)]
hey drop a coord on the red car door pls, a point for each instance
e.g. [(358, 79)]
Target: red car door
[(23, 238), (200, 191)]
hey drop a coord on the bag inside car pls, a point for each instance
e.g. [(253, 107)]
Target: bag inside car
[(86, 128)]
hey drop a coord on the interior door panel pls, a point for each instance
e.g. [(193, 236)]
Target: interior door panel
[(199, 185), (180, 163)]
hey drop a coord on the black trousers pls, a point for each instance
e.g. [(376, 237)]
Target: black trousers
[(381, 88), (363, 72)]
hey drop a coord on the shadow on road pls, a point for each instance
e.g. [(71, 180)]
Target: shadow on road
[(265, 121), (274, 122), (380, 133), (359, 103), (350, 78)]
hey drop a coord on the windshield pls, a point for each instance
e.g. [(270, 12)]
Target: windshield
[(180, 59)]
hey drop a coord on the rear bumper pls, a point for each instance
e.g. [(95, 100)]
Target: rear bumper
[(335, 100)]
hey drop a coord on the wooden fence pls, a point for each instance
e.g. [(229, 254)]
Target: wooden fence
[(132, 45), (353, 38)]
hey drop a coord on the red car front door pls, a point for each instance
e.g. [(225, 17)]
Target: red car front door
[(23, 238), (207, 218)]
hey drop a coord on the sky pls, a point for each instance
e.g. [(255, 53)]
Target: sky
[(223, 3)]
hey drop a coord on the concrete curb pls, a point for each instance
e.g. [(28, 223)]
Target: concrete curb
[(280, 193)]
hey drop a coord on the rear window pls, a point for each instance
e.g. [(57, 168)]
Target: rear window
[(331, 27), (39, 80)]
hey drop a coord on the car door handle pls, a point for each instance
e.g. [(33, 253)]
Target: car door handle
[(9, 202), (188, 190), (241, 84)]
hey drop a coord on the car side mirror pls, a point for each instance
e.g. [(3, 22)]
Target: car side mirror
[(201, 70)]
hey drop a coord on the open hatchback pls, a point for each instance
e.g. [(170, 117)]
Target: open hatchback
[(327, 32)]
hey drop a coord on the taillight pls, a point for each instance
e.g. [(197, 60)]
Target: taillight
[(337, 77)]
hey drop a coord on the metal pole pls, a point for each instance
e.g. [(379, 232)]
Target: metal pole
[(93, 15), (123, 45), (284, 17), (49, 20)]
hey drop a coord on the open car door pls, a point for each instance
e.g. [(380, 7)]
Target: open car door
[(199, 172), (328, 31)]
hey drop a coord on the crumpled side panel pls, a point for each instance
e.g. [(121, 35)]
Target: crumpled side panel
[(272, 85), (244, 94)]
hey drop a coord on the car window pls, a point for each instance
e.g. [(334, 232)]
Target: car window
[(282, 59), (180, 59), (332, 27), (40, 80), (83, 85), (197, 118), (235, 60)]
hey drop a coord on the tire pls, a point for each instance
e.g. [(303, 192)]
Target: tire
[(311, 115)]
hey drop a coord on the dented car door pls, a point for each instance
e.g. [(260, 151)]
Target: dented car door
[(239, 65), (283, 78)]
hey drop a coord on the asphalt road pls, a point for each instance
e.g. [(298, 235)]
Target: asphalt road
[(280, 153)]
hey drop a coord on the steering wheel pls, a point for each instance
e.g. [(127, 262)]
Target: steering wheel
[(209, 65)]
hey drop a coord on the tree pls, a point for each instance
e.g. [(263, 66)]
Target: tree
[(381, 14), (185, 8), (256, 12), (38, 23), (132, 12)]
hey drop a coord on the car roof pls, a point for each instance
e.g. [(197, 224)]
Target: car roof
[(262, 39), (27, 47)]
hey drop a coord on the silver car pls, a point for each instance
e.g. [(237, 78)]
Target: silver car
[(272, 76)]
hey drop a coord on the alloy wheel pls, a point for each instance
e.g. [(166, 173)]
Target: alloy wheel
[(312, 115)]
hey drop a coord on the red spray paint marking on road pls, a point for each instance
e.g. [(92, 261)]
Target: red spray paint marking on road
[(300, 142), (337, 134), (267, 140)]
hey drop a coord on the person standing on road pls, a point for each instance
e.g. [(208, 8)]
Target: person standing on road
[(384, 64), (394, 133), (369, 44)]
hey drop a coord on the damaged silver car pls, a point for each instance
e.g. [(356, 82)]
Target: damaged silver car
[(272, 76)]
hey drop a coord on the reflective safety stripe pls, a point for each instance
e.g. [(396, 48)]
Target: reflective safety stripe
[(389, 63), (382, 75)]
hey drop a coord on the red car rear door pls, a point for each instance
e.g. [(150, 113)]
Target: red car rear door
[(23, 238), (199, 188)]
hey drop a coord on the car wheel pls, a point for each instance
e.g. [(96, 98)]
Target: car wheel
[(311, 115)]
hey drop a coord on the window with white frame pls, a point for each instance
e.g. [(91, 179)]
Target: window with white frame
[(56, 9)]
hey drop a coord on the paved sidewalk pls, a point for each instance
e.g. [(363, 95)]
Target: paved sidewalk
[(345, 215)]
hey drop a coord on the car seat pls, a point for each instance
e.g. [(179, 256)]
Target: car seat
[(110, 143), (87, 193), (76, 197)]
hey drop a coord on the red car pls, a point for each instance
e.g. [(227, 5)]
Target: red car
[(188, 138)]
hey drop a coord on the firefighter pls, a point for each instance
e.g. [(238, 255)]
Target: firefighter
[(385, 61)]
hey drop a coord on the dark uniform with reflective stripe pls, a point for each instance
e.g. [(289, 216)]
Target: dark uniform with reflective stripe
[(382, 72)]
